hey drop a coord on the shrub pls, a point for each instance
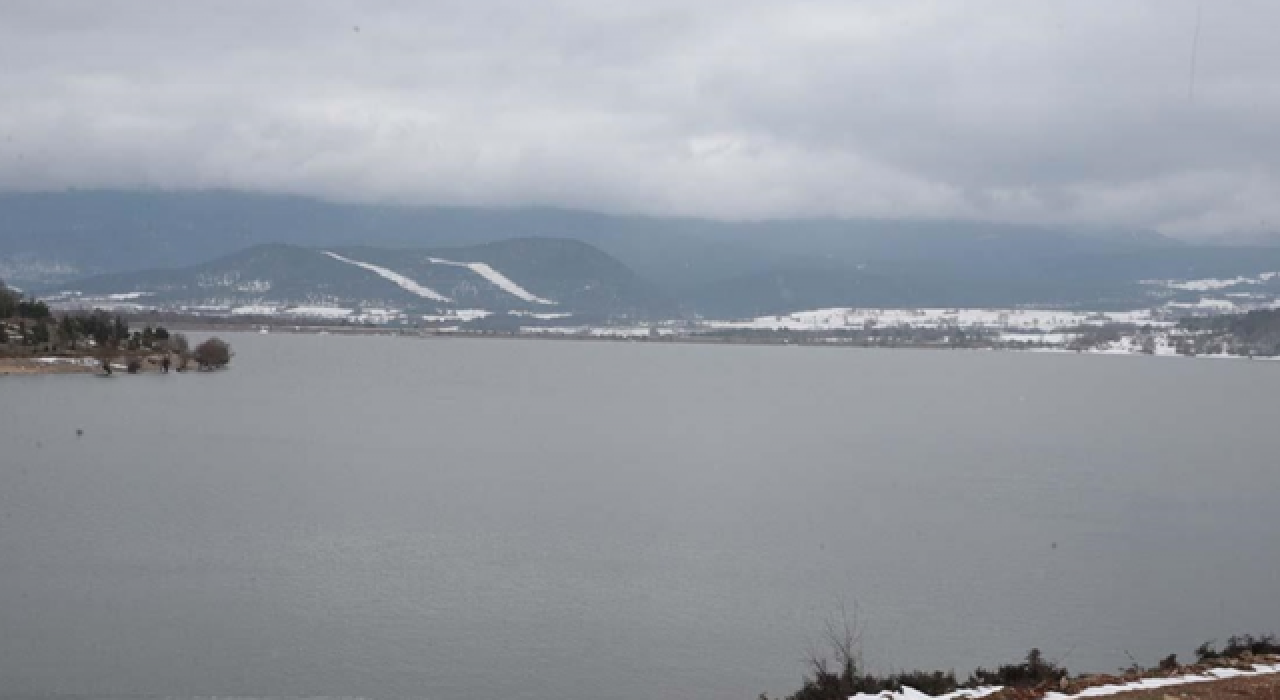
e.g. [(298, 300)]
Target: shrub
[(1238, 646), (1032, 672), (824, 682), (180, 347), (213, 353)]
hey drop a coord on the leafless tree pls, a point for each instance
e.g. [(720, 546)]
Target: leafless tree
[(179, 345), (107, 353)]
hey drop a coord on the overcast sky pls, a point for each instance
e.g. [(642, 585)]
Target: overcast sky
[(1076, 112)]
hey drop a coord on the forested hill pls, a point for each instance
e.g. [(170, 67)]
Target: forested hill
[(63, 235), (534, 275)]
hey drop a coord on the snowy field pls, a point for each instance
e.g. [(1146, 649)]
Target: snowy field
[(987, 319)]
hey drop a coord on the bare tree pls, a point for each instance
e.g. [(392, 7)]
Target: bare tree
[(106, 353), (180, 347)]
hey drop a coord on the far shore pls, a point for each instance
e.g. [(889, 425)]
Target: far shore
[(607, 334)]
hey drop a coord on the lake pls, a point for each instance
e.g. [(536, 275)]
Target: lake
[(467, 518)]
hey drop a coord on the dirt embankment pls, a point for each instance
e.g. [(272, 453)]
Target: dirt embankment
[(1266, 687), (1217, 683), (73, 365), (23, 366)]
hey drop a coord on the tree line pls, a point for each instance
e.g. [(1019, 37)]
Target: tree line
[(14, 305), (29, 327)]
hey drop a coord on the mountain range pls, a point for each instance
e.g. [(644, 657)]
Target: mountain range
[(183, 246)]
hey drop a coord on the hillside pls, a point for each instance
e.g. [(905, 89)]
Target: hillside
[(62, 235), (1105, 281), (709, 268), (527, 276)]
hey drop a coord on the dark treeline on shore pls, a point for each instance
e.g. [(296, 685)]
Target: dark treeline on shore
[(29, 328)]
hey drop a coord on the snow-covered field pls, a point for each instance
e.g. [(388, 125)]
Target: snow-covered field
[(1211, 284), (990, 319), (81, 361), (541, 316), (458, 315), (600, 331)]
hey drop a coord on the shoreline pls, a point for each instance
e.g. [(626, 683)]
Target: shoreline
[(87, 364), (1235, 678), (1248, 666), (71, 364), (621, 335)]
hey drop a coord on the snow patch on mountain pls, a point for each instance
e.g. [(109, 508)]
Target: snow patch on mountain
[(497, 279), (400, 280)]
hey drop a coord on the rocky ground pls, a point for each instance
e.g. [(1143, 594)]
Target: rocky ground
[(22, 366), (1256, 687), (1265, 685)]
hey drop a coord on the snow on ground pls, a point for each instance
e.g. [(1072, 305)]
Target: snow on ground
[(126, 296), (336, 312), (909, 693), (463, 315), (85, 361), (255, 310), (1211, 284), (378, 316), (1206, 304), (1047, 338), (364, 315), (497, 279), (400, 280), (1133, 346), (1002, 319), (540, 316), (1215, 674), (599, 331)]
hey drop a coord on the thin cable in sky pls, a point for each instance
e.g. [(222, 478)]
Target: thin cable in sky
[(1195, 50)]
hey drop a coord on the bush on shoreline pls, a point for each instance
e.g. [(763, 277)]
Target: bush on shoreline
[(214, 353), (1237, 647)]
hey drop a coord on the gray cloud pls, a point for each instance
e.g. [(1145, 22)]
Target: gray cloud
[(1074, 112)]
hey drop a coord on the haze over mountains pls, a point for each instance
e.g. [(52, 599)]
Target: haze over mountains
[(174, 246)]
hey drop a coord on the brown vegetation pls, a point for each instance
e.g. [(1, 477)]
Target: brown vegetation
[(214, 353)]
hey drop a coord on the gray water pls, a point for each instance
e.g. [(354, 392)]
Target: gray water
[(520, 519)]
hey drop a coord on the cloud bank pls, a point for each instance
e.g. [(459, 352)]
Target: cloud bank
[(1078, 112)]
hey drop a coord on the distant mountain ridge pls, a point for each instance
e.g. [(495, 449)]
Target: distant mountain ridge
[(94, 232), (698, 267)]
